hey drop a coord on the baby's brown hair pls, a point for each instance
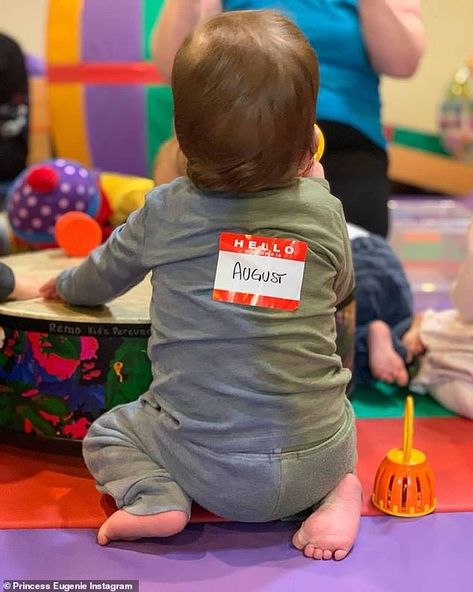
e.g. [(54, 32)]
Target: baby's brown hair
[(245, 86)]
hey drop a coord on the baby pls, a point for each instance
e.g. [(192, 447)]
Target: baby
[(249, 258), (446, 369)]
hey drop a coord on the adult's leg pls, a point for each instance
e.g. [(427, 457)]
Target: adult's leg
[(357, 172)]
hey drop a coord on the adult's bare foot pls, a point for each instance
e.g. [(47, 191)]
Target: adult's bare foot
[(385, 363), (123, 526), (329, 533)]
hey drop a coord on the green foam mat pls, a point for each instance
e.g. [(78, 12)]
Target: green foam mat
[(419, 140), (370, 403)]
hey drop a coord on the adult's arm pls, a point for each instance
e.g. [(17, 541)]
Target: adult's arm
[(177, 21), (394, 35)]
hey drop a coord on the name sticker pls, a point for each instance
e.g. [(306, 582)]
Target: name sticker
[(259, 271)]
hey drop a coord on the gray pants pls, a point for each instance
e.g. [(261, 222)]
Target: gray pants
[(135, 456)]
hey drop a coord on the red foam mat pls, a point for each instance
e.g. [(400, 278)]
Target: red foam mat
[(41, 490), (448, 444)]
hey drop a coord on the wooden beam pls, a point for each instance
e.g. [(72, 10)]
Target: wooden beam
[(429, 171)]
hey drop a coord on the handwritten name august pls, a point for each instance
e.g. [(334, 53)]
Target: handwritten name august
[(253, 273)]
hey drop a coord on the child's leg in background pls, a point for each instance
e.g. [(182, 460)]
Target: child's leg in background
[(455, 395), (150, 502), (384, 309), (463, 288)]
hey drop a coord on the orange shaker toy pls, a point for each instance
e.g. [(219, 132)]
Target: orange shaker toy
[(405, 483)]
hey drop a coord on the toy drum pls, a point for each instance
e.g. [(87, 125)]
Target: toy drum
[(62, 366)]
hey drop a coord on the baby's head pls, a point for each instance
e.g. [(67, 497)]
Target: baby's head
[(245, 86)]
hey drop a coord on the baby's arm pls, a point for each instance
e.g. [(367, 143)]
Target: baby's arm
[(462, 291), (177, 21), (109, 271)]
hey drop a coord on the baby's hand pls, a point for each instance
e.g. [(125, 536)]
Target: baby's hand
[(48, 290), (26, 288), (316, 170)]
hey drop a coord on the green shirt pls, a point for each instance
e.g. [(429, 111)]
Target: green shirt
[(233, 376)]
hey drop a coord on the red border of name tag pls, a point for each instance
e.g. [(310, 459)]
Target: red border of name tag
[(279, 248)]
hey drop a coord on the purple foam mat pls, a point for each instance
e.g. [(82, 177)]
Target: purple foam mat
[(431, 553)]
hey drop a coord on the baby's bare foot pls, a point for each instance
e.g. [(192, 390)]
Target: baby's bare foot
[(385, 363), (329, 533), (124, 526)]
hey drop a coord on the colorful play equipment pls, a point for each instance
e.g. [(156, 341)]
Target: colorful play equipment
[(77, 234), (62, 366), (46, 191), (456, 114), (110, 108), (405, 483)]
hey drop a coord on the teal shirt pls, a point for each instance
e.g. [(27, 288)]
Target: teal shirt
[(349, 87)]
